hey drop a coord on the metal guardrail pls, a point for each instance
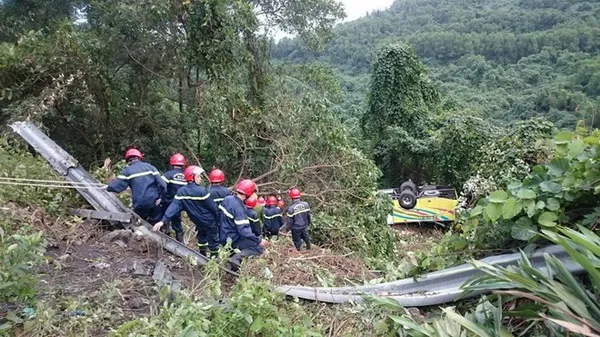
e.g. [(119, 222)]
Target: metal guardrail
[(102, 200), (430, 289)]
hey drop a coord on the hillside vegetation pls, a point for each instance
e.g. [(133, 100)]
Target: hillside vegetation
[(506, 59)]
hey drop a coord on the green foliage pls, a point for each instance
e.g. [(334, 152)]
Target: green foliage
[(253, 310), (510, 157), (400, 104), (16, 163), (548, 194), (563, 303), (459, 139), (485, 321), (505, 59), (20, 252)]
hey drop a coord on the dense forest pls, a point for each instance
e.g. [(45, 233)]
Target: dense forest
[(506, 60), (495, 98)]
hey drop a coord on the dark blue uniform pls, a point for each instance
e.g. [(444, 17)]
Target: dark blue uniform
[(146, 188), (218, 193), (235, 226), (174, 179), (254, 221), (298, 220), (272, 220), (202, 210)]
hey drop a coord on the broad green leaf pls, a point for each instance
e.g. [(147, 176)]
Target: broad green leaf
[(558, 166), (523, 229), (552, 204), (540, 205), (514, 185), (257, 325), (470, 325), (529, 206), (563, 137), (550, 186), (511, 208), (493, 211), (476, 211), (458, 243), (547, 219), (527, 194), (576, 147), (498, 197)]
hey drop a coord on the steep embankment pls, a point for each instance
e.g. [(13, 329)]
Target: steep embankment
[(507, 59)]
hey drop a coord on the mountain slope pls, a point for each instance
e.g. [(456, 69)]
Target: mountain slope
[(506, 59)]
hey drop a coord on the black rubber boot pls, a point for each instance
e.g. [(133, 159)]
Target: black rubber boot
[(179, 236)]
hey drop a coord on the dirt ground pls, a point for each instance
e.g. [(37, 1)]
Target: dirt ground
[(93, 273)]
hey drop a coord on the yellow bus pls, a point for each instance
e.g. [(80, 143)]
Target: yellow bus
[(435, 204)]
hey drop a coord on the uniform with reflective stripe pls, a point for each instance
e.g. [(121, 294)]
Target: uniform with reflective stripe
[(254, 221), (196, 202), (144, 181), (298, 215), (234, 224), (174, 180), (218, 193), (272, 219)]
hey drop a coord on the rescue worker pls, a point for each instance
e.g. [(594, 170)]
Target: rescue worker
[(273, 220), (250, 204), (235, 225), (217, 191), (298, 219), (174, 179), (145, 183), (202, 210)]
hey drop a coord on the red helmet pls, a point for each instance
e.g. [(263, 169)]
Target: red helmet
[(294, 193), (216, 176), (246, 187), (250, 202), (271, 201), (177, 160), (192, 171), (261, 201), (133, 153)]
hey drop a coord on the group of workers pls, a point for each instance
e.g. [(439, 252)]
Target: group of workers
[(219, 214)]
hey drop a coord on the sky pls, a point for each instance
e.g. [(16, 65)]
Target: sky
[(354, 10), (357, 8)]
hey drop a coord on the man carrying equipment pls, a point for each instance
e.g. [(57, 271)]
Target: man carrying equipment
[(174, 179), (235, 225), (272, 218), (202, 210), (146, 186), (298, 219)]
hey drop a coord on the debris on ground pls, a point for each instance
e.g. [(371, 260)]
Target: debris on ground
[(284, 265)]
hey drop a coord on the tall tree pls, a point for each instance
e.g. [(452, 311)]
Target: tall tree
[(400, 103)]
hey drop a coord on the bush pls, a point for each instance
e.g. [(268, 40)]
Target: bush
[(253, 310), (17, 163)]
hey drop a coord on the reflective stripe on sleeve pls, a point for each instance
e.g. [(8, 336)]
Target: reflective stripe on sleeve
[(136, 175), (187, 197), (272, 216), (253, 220), (241, 222), (296, 213), (229, 215)]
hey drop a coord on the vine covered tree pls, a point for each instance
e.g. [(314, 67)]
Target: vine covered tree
[(400, 103)]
